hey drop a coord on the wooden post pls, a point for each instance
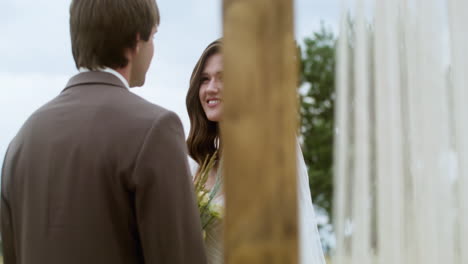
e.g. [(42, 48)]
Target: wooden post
[(259, 132)]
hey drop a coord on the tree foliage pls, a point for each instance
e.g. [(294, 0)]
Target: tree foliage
[(317, 82)]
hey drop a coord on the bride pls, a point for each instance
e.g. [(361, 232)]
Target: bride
[(204, 105)]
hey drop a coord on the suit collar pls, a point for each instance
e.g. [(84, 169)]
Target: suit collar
[(95, 77)]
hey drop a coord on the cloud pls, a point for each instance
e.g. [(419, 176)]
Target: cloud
[(35, 37), (310, 14)]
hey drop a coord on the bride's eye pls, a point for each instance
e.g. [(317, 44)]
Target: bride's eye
[(204, 80)]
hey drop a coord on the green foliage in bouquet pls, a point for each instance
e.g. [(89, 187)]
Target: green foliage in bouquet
[(209, 211)]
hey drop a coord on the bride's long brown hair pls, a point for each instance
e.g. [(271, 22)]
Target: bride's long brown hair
[(203, 139)]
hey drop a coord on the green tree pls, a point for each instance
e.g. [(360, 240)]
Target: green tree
[(317, 94)]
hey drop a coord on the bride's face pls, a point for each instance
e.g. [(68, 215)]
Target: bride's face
[(211, 87)]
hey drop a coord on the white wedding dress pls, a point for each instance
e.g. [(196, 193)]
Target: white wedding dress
[(309, 240)]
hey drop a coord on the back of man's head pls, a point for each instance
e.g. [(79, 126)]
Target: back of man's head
[(102, 30)]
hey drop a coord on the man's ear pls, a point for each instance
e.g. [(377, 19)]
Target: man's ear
[(130, 53), (135, 50), (137, 46)]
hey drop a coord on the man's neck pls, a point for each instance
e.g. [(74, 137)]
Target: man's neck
[(122, 73), (125, 72)]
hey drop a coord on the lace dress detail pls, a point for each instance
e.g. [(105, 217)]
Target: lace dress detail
[(214, 239)]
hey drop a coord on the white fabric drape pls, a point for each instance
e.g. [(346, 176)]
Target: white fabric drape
[(401, 153)]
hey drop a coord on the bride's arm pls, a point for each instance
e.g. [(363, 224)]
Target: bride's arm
[(193, 165)]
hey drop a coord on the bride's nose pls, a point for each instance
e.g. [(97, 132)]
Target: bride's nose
[(213, 86)]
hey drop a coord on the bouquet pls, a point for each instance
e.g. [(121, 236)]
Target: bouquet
[(209, 211)]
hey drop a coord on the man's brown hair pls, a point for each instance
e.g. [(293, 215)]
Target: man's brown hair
[(101, 30)]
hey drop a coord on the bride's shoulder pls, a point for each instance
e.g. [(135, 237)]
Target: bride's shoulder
[(193, 165)]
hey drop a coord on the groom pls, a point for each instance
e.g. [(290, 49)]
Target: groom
[(98, 174)]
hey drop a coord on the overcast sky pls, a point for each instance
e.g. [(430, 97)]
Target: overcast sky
[(36, 60)]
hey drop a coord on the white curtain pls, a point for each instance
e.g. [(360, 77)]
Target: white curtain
[(401, 143)]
